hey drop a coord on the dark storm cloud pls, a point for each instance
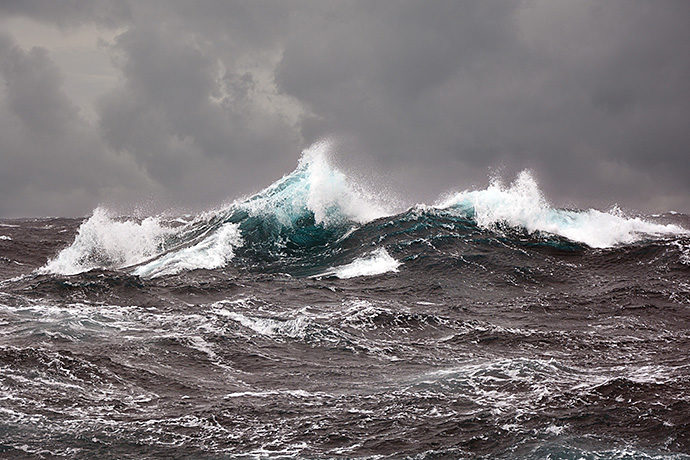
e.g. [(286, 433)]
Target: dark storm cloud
[(51, 158), (217, 98), (189, 119), (593, 97), (68, 13)]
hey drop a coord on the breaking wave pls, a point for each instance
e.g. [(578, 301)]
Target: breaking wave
[(522, 204), (308, 207), (103, 241), (317, 219)]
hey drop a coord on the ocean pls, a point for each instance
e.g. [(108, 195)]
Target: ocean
[(311, 321)]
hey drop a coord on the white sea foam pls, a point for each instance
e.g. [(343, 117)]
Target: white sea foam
[(295, 328), (104, 242), (376, 263), (522, 204), (214, 251), (684, 252), (5, 237)]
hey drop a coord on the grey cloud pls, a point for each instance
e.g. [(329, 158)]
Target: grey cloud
[(217, 98), (558, 87), (68, 13), (52, 161), (189, 118)]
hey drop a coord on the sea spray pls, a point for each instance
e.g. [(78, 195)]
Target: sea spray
[(317, 189)]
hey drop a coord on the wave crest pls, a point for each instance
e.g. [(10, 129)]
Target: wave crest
[(317, 190), (522, 204)]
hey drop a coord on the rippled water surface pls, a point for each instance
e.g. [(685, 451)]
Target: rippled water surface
[(306, 324)]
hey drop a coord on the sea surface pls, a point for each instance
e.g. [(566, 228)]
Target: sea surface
[(312, 321)]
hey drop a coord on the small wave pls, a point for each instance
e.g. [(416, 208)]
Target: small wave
[(293, 328), (522, 204), (376, 263), (298, 326), (5, 237), (269, 393), (684, 250)]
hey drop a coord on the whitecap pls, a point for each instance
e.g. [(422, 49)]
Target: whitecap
[(522, 204), (376, 263)]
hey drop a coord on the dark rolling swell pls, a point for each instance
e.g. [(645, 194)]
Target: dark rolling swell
[(486, 342)]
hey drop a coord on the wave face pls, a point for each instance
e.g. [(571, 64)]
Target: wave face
[(309, 320)]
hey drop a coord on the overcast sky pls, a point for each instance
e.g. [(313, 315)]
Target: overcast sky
[(183, 105)]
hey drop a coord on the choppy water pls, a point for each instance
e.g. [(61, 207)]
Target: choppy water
[(307, 321)]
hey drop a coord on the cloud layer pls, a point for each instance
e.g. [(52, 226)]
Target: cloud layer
[(215, 99)]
